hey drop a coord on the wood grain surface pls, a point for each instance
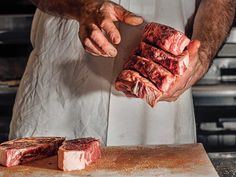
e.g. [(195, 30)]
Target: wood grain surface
[(162, 161)]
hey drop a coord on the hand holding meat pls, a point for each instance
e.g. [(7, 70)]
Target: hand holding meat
[(198, 66), (161, 68)]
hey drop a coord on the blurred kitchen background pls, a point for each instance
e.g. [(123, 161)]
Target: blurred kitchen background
[(15, 23), (214, 96), (215, 100)]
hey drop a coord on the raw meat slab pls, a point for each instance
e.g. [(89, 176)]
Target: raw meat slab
[(23, 150)]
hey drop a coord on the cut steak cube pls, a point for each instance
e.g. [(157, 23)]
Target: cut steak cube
[(133, 85), (78, 153), (175, 64), (154, 72), (23, 150), (165, 37)]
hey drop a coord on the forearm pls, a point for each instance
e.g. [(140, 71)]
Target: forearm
[(211, 26), (76, 9)]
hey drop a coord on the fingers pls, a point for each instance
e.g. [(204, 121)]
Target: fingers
[(126, 16), (183, 83), (92, 48), (89, 46), (101, 41), (192, 80), (110, 12), (190, 76), (96, 43), (92, 36), (109, 27), (180, 85)]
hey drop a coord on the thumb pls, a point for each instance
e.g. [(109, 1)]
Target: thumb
[(193, 47), (127, 16)]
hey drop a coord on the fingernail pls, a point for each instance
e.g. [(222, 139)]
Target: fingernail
[(116, 39), (134, 20), (112, 52)]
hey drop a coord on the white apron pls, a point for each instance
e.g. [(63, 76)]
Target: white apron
[(66, 92)]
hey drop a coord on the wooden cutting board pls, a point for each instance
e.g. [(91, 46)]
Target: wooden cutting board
[(163, 161)]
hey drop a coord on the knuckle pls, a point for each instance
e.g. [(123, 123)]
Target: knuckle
[(92, 26), (104, 46), (94, 34), (102, 43), (104, 22), (87, 42), (105, 5), (127, 13), (111, 33)]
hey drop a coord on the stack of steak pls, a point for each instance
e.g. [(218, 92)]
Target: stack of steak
[(153, 67)]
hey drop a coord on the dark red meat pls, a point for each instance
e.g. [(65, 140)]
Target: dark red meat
[(175, 64), (23, 150), (165, 37), (134, 85), (154, 72), (78, 153), (153, 67)]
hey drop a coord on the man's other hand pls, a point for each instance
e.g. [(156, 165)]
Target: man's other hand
[(198, 66), (98, 32)]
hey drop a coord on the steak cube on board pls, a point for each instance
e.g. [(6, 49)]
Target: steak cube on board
[(78, 153), (23, 150), (175, 64), (134, 85), (165, 37), (154, 72)]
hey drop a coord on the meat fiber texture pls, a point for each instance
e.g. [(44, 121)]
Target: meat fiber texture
[(154, 65), (157, 74), (134, 85), (165, 37), (78, 153), (23, 150), (175, 64)]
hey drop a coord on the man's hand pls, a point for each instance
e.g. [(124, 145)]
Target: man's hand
[(98, 31), (210, 29), (198, 66)]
